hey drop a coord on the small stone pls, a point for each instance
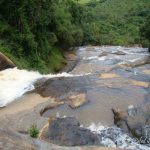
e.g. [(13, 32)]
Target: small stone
[(76, 101)]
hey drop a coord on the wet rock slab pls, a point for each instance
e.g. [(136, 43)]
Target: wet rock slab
[(136, 63)]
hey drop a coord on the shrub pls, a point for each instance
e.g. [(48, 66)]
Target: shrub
[(33, 131)]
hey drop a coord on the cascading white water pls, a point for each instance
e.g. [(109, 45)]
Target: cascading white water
[(115, 137), (14, 83)]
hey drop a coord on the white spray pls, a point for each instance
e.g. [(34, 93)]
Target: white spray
[(14, 83)]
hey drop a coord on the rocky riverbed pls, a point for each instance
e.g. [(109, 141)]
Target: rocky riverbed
[(103, 102)]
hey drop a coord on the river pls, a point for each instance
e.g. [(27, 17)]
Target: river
[(109, 76)]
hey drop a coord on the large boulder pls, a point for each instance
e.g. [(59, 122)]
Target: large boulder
[(5, 62), (67, 131)]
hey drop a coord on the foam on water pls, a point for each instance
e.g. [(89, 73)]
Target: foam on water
[(94, 58), (115, 137), (82, 48), (134, 60), (90, 58), (14, 83)]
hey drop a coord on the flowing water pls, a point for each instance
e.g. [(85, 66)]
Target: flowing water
[(107, 86), (14, 83), (110, 76)]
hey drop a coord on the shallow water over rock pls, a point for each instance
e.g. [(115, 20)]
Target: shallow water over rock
[(107, 86), (116, 77)]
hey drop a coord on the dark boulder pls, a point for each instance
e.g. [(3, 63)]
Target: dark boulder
[(5, 62), (119, 52), (67, 131)]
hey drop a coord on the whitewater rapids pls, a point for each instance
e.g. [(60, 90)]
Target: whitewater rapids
[(15, 82)]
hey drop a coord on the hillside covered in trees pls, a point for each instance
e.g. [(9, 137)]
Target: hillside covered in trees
[(35, 33)]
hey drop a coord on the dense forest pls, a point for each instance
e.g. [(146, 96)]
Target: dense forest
[(35, 33)]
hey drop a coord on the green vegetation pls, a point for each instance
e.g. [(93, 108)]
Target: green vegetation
[(116, 22), (145, 33), (33, 131), (83, 1), (35, 33)]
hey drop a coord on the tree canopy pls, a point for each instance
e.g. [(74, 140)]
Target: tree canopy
[(35, 33)]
